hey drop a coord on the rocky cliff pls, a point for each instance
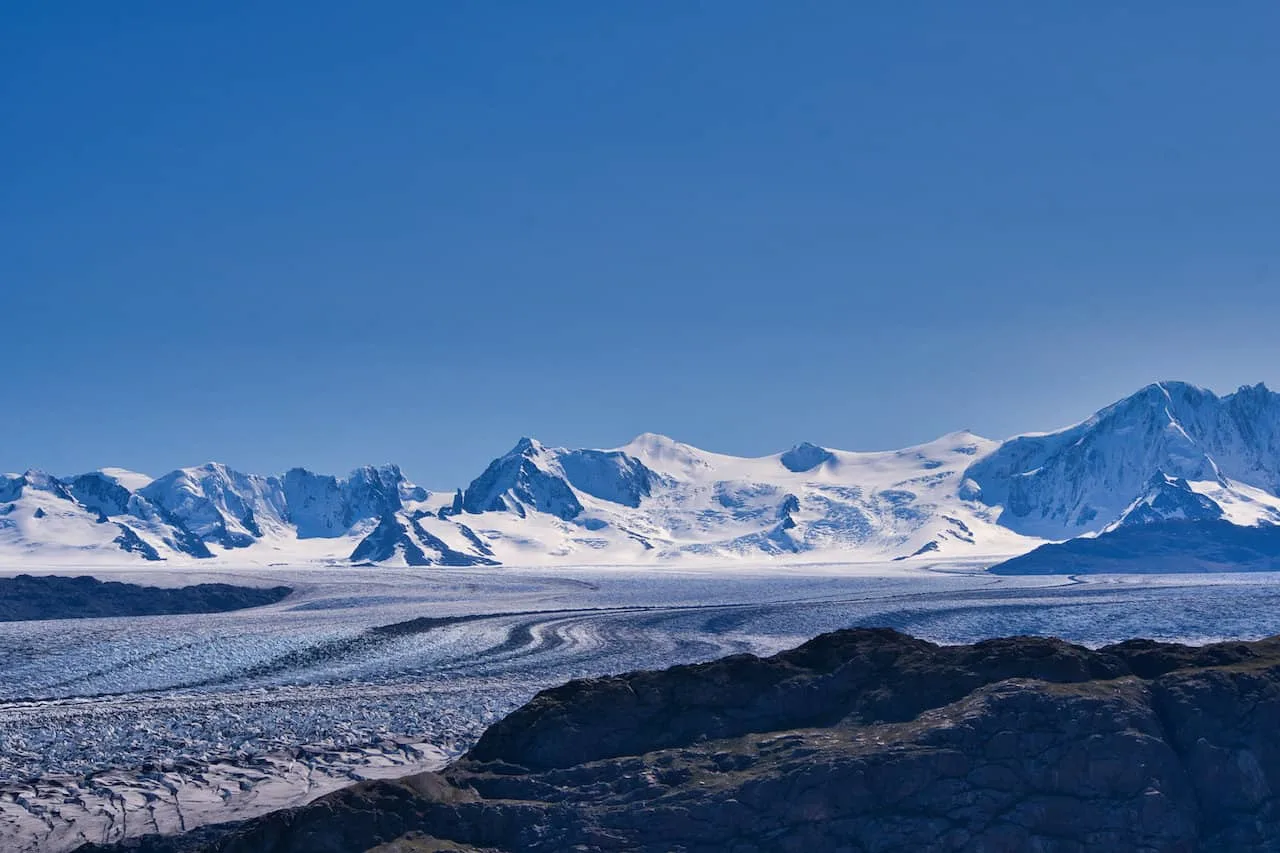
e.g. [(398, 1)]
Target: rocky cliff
[(858, 740)]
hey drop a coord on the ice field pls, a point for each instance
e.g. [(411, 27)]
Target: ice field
[(119, 726)]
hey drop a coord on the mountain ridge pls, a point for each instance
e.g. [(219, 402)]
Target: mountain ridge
[(1170, 452)]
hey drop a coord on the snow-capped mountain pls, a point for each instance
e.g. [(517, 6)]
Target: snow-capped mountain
[(1170, 454), (213, 511), (1168, 499), (1078, 480), (656, 498)]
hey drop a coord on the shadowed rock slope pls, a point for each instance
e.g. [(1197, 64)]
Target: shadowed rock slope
[(861, 740), (55, 597)]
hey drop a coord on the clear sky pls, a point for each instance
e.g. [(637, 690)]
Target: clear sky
[(333, 233)]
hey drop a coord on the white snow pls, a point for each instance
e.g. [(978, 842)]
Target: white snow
[(131, 480), (657, 501)]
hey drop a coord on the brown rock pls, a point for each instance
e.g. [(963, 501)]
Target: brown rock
[(863, 740)]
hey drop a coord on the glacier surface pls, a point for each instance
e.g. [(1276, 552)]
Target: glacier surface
[(119, 726)]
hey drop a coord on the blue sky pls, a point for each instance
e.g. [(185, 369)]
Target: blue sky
[(417, 231)]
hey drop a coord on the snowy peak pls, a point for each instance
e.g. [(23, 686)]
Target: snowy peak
[(41, 517), (1083, 478), (1170, 451), (371, 492), (805, 457), (1169, 499), (131, 480), (525, 479), (402, 540), (609, 475), (13, 486), (558, 481), (218, 504), (666, 455), (317, 504), (187, 512), (323, 506), (1170, 454), (657, 498), (100, 493)]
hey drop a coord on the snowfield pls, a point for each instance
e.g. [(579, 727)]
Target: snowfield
[(115, 727), (1171, 451)]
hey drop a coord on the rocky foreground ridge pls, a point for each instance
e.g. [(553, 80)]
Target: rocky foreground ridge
[(859, 740)]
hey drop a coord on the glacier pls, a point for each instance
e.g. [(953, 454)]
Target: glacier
[(113, 727)]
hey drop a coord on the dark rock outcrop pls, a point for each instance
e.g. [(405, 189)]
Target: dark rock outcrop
[(27, 597), (408, 538), (1160, 547), (610, 475), (861, 740), (130, 541), (805, 457), (516, 482), (385, 541)]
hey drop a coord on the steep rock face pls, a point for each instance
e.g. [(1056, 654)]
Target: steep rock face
[(805, 457), (131, 542), (1170, 499), (219, 504), (53, 597), (11, 486), (323, 506), (316, 504), (609, 475), (100, 493), (1156, 547), (1081, 479), (372, 492), (401, 538), (519, 482), (388, 541), (858, 740), (1171, 452)]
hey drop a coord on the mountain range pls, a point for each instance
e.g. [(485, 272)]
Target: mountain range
[(1170, 456)]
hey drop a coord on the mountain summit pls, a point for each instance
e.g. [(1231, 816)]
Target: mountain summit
[(1080, 479), (1170, 454)]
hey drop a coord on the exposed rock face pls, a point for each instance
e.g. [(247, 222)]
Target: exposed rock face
[(519, 482), (1156, 547), (610, 475), (100, 493), (856, 741), (805, 457), (214, 502), (1077, 480), (393, 539), (1169, 499), (55, 597), (389, 539)]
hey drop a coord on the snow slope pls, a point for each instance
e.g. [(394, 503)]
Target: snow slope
[(212, 512), (1171, 453), (1078, 480), (655, 498)]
